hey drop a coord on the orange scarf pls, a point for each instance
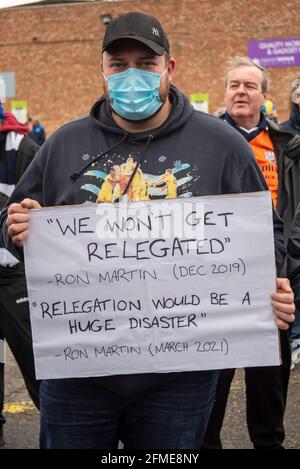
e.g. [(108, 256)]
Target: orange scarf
[(263, 150)]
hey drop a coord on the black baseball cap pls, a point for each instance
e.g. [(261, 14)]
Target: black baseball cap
[(138, 26)]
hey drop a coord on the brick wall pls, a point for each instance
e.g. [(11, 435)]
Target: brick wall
[(54, 49)]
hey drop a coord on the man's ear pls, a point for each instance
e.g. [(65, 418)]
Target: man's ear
[(171, 67)]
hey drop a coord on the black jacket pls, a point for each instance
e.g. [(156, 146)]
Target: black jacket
[(27, 151), (287, 150), (25, 154), (292, 125), (206, 156), (293, 257), (292, 164)]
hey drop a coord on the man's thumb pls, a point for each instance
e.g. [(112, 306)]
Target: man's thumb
[(284, 284), (30, 203)]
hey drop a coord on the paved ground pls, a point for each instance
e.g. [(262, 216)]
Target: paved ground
[(22, 427)]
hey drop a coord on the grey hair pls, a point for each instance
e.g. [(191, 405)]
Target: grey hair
[(235, 62)]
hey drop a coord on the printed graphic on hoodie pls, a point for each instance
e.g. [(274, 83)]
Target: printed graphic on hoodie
[(111, 181)]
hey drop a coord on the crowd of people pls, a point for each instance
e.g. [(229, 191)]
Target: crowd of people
[(141, 115)]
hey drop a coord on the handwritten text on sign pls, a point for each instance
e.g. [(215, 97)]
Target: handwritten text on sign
[(152, 287)]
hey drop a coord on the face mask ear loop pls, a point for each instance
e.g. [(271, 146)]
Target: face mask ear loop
[(164, 71)]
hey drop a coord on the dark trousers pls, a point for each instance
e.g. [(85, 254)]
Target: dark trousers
[(15, 326), (266, 395), (80, 414)]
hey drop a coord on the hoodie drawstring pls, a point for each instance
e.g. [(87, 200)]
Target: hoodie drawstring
[(149, 140), (77, 174)]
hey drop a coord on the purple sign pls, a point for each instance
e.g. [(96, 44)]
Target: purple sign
[(282, 52)]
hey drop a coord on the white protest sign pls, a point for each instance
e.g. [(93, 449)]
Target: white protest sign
[(156, 286)]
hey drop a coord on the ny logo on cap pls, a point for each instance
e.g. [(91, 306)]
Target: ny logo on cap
[(155, 32)]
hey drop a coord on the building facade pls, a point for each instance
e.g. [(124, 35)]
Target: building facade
[(54, 49)]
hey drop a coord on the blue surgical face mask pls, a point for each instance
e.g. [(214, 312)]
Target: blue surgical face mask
[(134, 93)]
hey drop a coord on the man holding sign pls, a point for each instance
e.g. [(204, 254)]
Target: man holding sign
[(142, 141)]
